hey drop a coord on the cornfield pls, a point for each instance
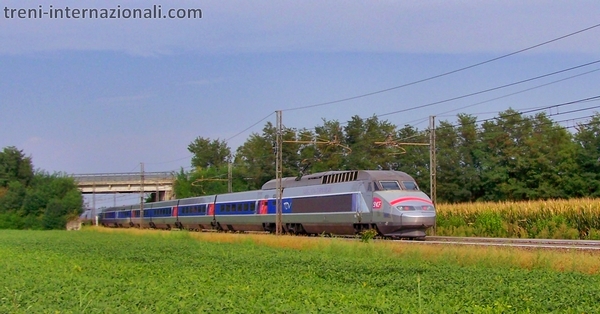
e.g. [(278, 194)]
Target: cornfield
[(555, 219)]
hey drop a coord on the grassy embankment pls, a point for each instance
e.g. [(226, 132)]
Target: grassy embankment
[(149, 271)]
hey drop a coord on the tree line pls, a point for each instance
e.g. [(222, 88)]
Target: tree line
[(34, 199), (510, 157)]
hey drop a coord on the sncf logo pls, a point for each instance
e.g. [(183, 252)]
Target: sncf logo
[(377, 203)]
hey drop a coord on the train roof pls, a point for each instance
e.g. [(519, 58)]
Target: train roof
[(337, 177)]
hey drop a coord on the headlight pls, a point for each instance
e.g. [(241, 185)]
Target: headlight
[(420, 207)]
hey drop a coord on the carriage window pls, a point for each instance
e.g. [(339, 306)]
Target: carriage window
[(410, 185), (390, 185)]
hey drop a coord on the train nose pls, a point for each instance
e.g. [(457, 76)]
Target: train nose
[(417, 219)]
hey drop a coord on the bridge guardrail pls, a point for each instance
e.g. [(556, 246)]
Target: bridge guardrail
[(125, 176)]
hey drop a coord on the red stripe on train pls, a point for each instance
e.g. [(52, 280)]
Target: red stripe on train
[(406, 199)]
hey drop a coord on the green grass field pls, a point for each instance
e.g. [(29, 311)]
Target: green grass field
[(120, 271)]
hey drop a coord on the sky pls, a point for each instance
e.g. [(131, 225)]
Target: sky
[(102, 95)]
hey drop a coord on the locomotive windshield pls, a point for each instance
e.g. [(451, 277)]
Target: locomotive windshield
[(410, 185), (390, 185)]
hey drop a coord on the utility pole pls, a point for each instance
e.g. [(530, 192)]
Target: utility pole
[(279, 173), (94, 203), (432, 164), (157, 197), (432, 159), (141, 194), (229, 178)]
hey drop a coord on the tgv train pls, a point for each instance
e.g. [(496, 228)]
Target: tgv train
[(334, 202)]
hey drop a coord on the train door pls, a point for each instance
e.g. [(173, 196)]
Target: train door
[(175, 214), (211, 212), (262, 207), (131, 217)]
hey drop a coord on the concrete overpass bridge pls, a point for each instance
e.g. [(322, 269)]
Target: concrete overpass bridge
[(160, 183)]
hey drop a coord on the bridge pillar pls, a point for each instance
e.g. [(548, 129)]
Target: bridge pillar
[(159, 196)]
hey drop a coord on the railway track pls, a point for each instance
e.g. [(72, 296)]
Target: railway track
[(550, 244)]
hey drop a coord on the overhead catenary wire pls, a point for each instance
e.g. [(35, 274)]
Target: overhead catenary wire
[(525, 111), (417, 82), (443, 74), (531, 110), (551, 122), (445, 113), (487, 90), (248, 128), (442, 114), (226, 140)]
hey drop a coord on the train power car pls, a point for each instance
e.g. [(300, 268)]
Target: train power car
[(334, 202)]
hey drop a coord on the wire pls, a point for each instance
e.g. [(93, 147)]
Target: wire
[(594, 98), (549, 107), (519, 92), (227, 140), (445, 73), (445, 113), (487, 90), (248, 128), (421, 81), (582, 124)]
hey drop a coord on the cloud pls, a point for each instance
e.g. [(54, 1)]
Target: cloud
[(274, 26)]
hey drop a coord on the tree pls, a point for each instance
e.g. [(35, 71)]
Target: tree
[(35, 200), (550, 167), (458, 151), (14, 166), (361, 137), (502, 155), (54, 215), (209, 153), (587, 157), (12, 200), (308, 152), (470, 158), (415, 159), (449, 165), (182, 187), (331, 156), (526, 158), (256, 157)]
